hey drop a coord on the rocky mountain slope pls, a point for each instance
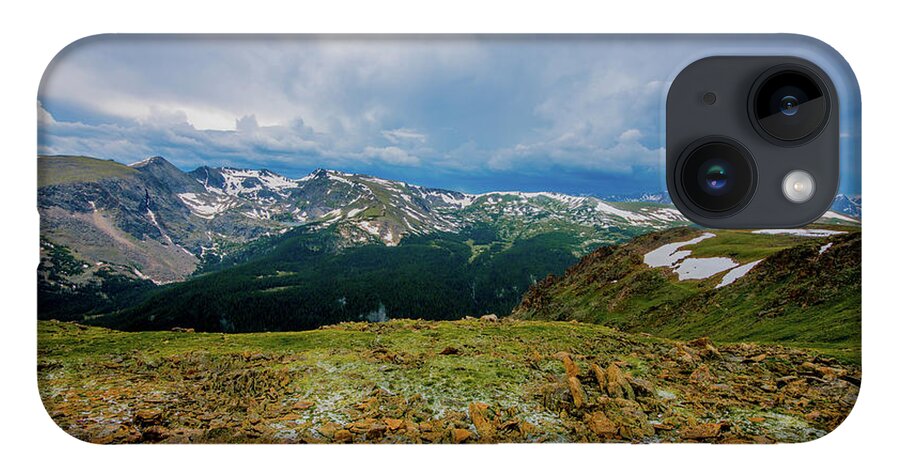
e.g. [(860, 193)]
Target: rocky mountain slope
[(131, 219), (472, 381)]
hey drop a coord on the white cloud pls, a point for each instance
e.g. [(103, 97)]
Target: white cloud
[(397, 136), (246, 124), (44, 117), (631, 135), (392, 155)]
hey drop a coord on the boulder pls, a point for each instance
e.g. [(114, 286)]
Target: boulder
[(393, 424), (343, 436), (578, 396), (376, 432), (600, 377), (702, 431), (460, 435), (303, 405), (329, 429), (571, 367), (483, 425), (154, 434), (628, 416), (642, 387), (822, 371), (149, 417), (706, 348), (617, 385), (601, 425)]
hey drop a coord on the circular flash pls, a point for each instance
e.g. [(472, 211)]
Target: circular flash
[(798, 186)]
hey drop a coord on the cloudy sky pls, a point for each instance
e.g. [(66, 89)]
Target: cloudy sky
[(469, 114)]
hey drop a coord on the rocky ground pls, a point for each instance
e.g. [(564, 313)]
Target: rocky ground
[(482, 380)]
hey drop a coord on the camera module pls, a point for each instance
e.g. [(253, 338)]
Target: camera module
[(752, 141)]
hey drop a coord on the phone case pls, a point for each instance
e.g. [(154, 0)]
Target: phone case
[(420, 239)]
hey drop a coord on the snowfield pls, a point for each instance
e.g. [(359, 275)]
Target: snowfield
[(805, 232), (838, 216), (678, 260), (668, 255), (672, 256), (702, 268), (207, 207), (737, 273)]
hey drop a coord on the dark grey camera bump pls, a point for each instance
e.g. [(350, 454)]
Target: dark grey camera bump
[(752, 142)]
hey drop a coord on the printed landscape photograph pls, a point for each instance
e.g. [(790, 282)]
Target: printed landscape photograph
[(463, 239)]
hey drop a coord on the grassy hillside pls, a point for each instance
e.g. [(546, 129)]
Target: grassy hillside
[(795, 295), (63, 169), (471, 381)]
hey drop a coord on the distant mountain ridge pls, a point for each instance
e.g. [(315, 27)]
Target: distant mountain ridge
[(387, 210), (848, 204), (151, 219)]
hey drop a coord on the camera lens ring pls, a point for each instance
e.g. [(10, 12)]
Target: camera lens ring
[(732, 184), (807, 115)]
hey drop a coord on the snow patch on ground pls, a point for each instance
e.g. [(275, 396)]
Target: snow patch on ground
[(837, 216), (608, 209), (162, 232), (141, 163), (702, 268), (370, 228), (737, 273), (258, 214), (806, 232), (235, 178), (336, 177), (667, 214), (206, 207), (668, 255), (355, 211), (462, 202), (673, 257)]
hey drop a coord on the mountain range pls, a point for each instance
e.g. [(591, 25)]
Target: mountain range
[(149, 246), (151, 219)]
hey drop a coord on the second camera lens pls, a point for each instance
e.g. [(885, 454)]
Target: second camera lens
[(717, 176), (789, 104)]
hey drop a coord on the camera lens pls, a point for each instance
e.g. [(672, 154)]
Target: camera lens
[(714, 176), (789, 104), (717, 176)]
